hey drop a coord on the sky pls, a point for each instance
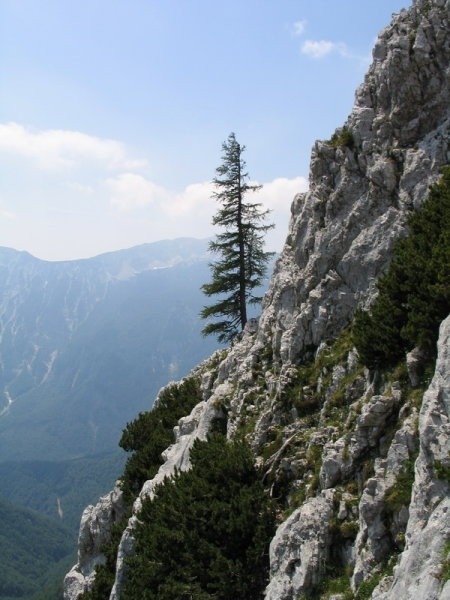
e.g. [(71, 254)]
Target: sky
[(113, 112)]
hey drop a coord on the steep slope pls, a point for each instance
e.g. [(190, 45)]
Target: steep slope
[(356, 460)]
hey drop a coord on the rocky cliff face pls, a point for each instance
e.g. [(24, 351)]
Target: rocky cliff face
[(341, 449)]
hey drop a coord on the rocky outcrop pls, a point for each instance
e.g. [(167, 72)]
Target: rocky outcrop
[(299, 550), (382, 518), (336, 443), (418, 574), (95, 530), (363, 183), (341, 457)]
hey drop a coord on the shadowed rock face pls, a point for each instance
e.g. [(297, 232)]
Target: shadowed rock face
[(363, 184)]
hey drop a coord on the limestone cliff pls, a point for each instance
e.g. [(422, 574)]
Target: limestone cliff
[(337, 446)]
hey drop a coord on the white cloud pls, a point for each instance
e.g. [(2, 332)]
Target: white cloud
[(58, 148), (190, 211), (129, 191), (195, 198), (77, 191), (318, 49), (278, 194), (6, 214), (299, 27)]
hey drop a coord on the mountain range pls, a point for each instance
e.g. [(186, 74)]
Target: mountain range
[(87, 344)]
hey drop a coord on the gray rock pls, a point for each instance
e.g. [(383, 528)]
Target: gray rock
[(428, 530), (340, 457), (375, 537), (414, 364), (342, 231), (95, 530), (299, 550)]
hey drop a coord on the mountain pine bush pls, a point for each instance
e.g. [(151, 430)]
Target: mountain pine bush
[(414, 293), (206, 533), (152, 432)]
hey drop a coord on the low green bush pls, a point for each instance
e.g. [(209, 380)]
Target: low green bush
[(414, 294), (206, 533)]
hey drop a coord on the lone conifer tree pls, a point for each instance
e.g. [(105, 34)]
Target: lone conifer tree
[(242, 261)]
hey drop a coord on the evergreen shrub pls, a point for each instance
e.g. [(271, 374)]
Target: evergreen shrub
[(206, 533), (414, 293)]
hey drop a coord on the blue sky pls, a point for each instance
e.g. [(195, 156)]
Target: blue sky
[(113, 112)]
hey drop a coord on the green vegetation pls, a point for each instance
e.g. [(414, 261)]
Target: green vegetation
[(152, 432), (426, 7), (69, 485), (400, 494), (242, 265), (338, 582), (342, 138), (308, 387), (444, 575), (29, 543), (414, 294), (206, 533), (365, 589), (442, 471), (335, 581), (146, 437)]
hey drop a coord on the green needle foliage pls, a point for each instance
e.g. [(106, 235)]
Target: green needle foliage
[(414, 294), (243, 262), (146, 437), (206, 533), (152, 432)]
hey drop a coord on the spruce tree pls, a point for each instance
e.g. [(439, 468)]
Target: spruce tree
[(242, 261)]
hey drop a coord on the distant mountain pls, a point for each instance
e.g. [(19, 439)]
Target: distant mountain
[(85, 345)]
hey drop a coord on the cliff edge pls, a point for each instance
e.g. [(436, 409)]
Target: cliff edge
[(356, 460)]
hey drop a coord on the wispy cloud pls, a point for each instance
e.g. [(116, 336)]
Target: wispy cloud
[(85, 183), (80, 188), (320, 48), (58, 148), (298, 27), (196, 198), (190, 211)]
